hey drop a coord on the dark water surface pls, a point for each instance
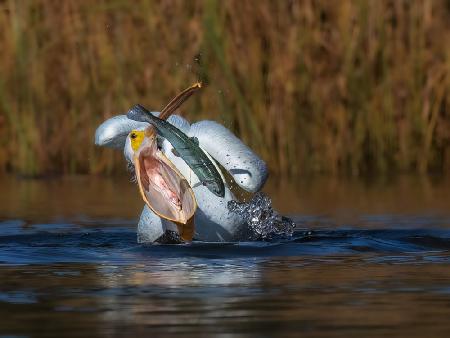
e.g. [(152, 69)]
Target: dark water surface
[(369, 259)]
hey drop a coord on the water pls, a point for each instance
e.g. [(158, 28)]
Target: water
[(368, 259), (263, 221)]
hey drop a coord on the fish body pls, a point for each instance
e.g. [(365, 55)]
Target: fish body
[(187, 148)]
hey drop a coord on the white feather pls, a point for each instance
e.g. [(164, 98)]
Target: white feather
[(247, 169)]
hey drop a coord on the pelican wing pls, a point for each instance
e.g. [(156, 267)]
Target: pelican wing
[(113, 132), (248, 170)]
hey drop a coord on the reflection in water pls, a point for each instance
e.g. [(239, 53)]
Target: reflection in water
[(176, 294), (338, 296)]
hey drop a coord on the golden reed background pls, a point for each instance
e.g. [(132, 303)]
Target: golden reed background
[(313, 86)]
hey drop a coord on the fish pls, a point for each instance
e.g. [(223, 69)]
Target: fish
[(187, 148)]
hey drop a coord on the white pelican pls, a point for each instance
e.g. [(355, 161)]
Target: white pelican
[(213, 220)]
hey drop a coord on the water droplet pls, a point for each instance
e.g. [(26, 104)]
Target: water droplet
[(262, 220)]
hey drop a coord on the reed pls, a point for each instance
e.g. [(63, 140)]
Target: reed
[(355, 87)]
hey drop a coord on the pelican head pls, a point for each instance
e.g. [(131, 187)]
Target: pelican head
[(165, 191)]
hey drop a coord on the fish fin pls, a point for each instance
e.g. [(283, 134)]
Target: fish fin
[(175, 152), (197, 185), (195, 140), (159, 142)]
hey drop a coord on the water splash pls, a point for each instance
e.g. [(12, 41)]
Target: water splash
[(263, 221)]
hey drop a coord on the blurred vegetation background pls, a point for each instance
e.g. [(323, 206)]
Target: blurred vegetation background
[(339, 87)]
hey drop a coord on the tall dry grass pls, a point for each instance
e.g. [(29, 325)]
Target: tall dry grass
[(313, 86)]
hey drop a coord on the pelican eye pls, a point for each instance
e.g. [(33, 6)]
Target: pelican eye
[(136, 138)]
